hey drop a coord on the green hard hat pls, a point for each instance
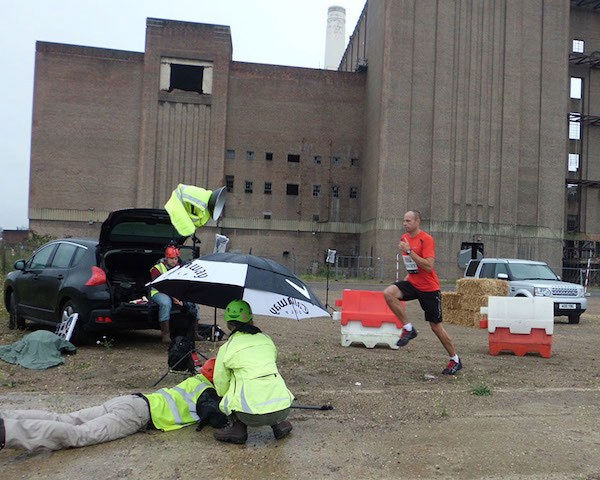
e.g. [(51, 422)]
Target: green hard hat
[(239, 311)]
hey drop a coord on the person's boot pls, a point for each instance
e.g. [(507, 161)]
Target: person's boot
[(165, 334), (237, 432), (281, 429)]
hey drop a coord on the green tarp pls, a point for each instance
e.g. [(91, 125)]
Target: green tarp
[(37, 350)]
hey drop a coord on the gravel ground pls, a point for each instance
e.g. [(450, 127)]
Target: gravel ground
[(394, 415)]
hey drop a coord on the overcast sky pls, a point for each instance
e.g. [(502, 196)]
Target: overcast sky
[(280, 32)]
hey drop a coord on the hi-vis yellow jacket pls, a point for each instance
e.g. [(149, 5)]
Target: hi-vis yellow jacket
[(173, 408), (247, 378), (188, 208), (162, 268)]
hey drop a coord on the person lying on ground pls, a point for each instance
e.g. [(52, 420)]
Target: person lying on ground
[(192, 401)]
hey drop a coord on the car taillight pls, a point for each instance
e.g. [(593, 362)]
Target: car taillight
[(98, 277)]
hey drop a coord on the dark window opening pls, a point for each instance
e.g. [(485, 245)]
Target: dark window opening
[(335, 191), (229, 183), (316, 190), (249, 155), (353, 192), (230, 154), (354, 162), (336, 160), (186, 77), (248, 188), (269, 156), (318, 159), (315, 217), (292, 189), (267, 215), (268, 188), (292, 157)]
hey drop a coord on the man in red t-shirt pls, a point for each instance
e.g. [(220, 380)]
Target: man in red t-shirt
[(421, 283)]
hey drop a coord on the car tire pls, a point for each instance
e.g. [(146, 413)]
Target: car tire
[(574, 318), (14, 320), (79, 336)]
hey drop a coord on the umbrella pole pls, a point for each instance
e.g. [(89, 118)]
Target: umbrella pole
[(214, 330)]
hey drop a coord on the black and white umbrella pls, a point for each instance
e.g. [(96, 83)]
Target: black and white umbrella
[(216, 279)]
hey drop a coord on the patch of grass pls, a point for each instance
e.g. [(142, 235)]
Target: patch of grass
[(481, 390)]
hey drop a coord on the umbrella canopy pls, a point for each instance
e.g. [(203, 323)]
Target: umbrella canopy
[(216, 279)]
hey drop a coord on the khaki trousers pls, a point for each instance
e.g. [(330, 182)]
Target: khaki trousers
[(116, 418)]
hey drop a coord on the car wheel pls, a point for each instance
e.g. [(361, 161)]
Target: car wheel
[(79, 336), (574, 317), (14, 320)]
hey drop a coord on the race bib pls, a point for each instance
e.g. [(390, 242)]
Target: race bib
[(410, 264)]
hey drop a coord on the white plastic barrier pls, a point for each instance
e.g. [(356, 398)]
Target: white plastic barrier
[(520, 314)]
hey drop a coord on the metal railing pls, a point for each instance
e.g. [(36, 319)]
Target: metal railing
[(358, 267)]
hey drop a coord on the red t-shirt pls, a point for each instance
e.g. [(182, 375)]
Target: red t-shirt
[(424, 246)]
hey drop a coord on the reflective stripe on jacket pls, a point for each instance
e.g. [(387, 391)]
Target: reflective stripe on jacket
[(247, 378), (162, 268), (188, 208), (173, 408)]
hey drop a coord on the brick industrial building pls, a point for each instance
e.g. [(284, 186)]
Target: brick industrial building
[(459, 109)]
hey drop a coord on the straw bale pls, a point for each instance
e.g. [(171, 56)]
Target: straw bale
[(462, 317), (482, 286), (450, 301), (472, 303)]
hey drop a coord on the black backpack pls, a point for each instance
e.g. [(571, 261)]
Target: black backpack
[(180, 358)]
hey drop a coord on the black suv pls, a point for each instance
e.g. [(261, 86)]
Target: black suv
[(99, 279)]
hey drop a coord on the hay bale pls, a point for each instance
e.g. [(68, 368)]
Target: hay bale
[(482, 286), (450, 301), (462, 317), (472, 303)]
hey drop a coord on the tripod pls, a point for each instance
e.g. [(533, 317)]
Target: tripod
[(193, 353)]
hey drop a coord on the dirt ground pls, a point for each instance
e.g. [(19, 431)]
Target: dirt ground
[(394, 415)]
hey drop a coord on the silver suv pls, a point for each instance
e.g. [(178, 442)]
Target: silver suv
[(528, 278)]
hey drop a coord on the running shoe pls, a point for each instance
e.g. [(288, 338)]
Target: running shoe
[(406, 337), (452, 368)]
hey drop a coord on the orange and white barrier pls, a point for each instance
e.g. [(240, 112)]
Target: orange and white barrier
[(366, 318), (520, 325)]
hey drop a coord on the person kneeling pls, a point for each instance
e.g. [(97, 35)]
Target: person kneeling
[(246, 376)]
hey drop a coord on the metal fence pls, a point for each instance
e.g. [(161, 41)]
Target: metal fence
[(358, 267), (578, 275)]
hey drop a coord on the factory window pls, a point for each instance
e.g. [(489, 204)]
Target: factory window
[(186, 75), (269, 156), (315, 217), (229, 183), (576, 84), (267, 215), (353, 192), (578, 46), (574, 131), (249, 155), (230, 154), (248, 188), (292, 189), (336, 160), (335, 191), (293, 158), (268, 188), (316, 190), (573, 162), (354, 162), (318, 159)]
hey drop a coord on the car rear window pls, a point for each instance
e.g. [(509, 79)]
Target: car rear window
[(140, 233)]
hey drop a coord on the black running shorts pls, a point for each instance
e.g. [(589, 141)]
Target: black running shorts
[(431, 302)]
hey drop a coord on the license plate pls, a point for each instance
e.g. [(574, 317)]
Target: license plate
[(567, 306)]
